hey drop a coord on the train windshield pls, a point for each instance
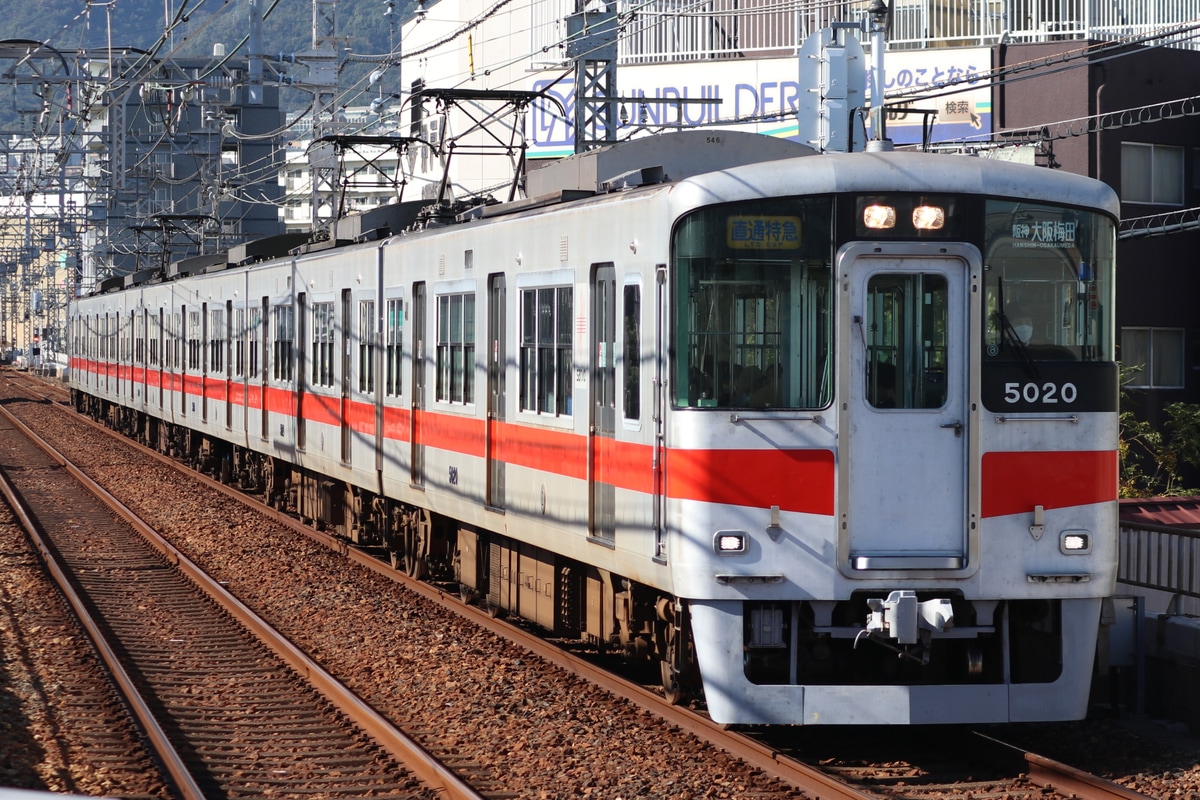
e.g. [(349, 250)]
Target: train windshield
[(753, 305), (1048, 283)]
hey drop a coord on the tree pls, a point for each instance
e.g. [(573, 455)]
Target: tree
[(1153, 462)]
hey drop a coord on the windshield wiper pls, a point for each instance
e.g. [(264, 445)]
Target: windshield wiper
[(1009, 337)]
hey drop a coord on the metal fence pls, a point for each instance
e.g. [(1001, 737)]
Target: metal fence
[(663, 31), (1158, 557)]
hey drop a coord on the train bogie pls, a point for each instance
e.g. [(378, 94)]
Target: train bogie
[(781, 427)]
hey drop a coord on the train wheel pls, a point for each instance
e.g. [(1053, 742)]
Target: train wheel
[(414, 567), (674, 647), (408, 561), (672, 684)]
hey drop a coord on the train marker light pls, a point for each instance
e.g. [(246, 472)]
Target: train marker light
[(928, 218), (1075, 542), (726, 542), (879, 217)]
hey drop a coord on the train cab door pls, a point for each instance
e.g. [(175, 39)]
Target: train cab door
[(602, 431), (904, 331), (416, 435), (497, 360)]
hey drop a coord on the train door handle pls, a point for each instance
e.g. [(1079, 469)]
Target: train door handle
[(956, 425)]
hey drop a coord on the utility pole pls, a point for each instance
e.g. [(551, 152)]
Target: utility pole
[(592, 45), (324, 64)]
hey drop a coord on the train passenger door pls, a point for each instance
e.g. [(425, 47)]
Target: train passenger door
[(497, 367), (904, 477), (206, 359), (347, 359), (232, 348), (300, 348), (602, 430), (417, 460), (160, 358)]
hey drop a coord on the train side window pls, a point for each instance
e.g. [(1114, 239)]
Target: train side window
[(239, 342), (216, 337), (456, 348), (195, 341), (546, 349), (322, 344), (394, 342), (366, 346), (253, 336), (282, 327), (632, 323)]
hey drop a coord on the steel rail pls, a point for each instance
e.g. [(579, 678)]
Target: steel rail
[(812, 781), (159, 743), (1074, 782), (404, 749)]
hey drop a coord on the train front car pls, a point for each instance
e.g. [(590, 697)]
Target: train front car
[(891, 460)]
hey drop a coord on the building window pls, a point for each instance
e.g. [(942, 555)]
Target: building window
[(366, 346), (395, 346), (546, 346), (456, 348), (1151, 173), (322, 344), (1152, 357)]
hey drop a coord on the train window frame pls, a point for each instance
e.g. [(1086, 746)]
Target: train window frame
[(283, 337), (393, 353), (323, 333), (253, 341), (139, 337), (194, 335), (1049, 283), (546, 344), (763, 261), (216, 341), (455, 343), (631, 351), (238, 341), (365, 334)]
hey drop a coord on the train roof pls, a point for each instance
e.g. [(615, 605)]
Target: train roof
[(902, 171), (666, 157), (702, 166)]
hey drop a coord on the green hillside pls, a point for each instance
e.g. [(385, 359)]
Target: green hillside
[(196, 25)]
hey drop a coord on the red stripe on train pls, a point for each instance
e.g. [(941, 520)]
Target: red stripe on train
[(1015, 482), (794, 480)]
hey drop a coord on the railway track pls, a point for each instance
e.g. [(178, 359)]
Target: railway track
[(830, 782), (952, 762), (225, 715)]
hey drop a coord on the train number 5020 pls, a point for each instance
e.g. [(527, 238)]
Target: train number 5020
[(1039, 393)]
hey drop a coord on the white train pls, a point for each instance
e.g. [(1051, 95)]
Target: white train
[(831, 437)]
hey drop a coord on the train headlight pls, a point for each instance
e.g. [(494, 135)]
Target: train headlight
[(879, 217), (730, 542), (1075, 543), (929, 218)]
